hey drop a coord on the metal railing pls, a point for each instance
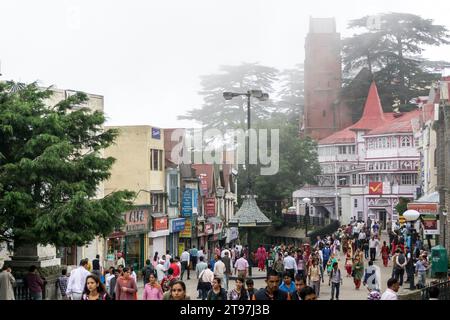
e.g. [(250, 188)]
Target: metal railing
[(21, 292), (444, 290)]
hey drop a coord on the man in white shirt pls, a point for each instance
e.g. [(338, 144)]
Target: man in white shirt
[(391, 291), (77, 281), (160, 270), (201, 253), (185, 258), (206, 276), (290, 265), (373, 245), (222, 254), (219, 269)]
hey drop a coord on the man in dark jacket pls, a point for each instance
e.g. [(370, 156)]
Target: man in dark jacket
[(271, 292), (34, 283), (96, 267), (148, 269), (227, 261), (112, 284)]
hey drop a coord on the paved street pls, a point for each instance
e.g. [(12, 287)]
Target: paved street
[(347, 292)]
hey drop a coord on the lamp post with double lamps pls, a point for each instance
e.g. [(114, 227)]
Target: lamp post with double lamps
[(412, 216)]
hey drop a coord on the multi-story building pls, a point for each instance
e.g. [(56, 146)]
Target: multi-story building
[(139, 167), (366, 167)]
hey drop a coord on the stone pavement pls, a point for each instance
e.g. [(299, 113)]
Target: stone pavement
[(347, 290)]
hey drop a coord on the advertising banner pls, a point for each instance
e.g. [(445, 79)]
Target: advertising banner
[(186, 204), (187, 231), (210, 207)]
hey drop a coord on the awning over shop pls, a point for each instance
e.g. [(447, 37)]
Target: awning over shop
[(432, 198), (286, 232)]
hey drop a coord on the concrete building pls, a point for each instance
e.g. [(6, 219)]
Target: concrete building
[(366, 167), (139, 167)]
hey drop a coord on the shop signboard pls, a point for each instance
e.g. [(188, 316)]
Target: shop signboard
[(178, 225), (186, 204), (210, 206), (136, 221), (209, 228), (375, 187), (428, 215), (204, 184), (160, 224), (187, 231), (156, 133)]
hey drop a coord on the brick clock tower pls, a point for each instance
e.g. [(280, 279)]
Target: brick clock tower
[(324, 111)]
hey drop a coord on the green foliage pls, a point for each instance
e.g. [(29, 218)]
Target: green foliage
[(402, 205), (50, 168), (391, 52)]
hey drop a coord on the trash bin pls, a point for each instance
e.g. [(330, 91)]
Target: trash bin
[(439, 261)]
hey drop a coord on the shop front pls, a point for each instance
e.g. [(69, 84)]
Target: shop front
[(115, 244), (157, 235), (134, 245), (185, 237), (202, 237), (175, 226)]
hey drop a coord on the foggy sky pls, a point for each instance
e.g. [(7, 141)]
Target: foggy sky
[(145, 57)]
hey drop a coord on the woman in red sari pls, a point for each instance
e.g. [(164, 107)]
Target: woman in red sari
[(261, 257), (385, 254)]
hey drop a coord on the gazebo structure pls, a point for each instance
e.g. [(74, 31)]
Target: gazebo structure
[(249, 216)]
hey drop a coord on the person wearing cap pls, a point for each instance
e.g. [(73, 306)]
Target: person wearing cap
[(160, 270)]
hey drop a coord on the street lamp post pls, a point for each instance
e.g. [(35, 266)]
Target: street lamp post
[(412, 216), (261, 96), (306, 201)]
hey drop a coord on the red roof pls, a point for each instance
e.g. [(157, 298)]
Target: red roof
[(373, 115), (401, 124)]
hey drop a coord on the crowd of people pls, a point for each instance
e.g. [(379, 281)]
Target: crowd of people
[(293, 272)]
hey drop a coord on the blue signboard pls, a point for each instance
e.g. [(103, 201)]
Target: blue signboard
[(186, 204), (156, 133), (178, 224), (195, 199)]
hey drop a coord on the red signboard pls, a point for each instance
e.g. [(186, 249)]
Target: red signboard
[(160, 224), (375, 187), (423, 208), (204, 184), (210, 206)]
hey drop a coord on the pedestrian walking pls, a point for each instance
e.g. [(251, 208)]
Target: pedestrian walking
[(385, 254), (399, 266), (241, 267), (250, 289), (261, 257), (177, 292), (287, 285), (152, 290), (168, 280), (205, 282), (372, 277), (97, 267), (126, 288), (217, 292), (308, 293), (112, 283), (271, 291), (348, 264), (193, 256), (421, 272), (185, 259), (290, 265), (391, 291), (238, 293), (219, 269), (7, 283), (335, 281), (160, 270), (278, 265), (61, 284), (357, 272), (300, 264), (94, 289), (300, 283), (373, 245), (175, 268), (227, 262), (314, 277), (34, 283), (147, 271)]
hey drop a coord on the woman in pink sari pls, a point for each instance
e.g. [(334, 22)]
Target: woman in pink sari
[(261, 257)]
